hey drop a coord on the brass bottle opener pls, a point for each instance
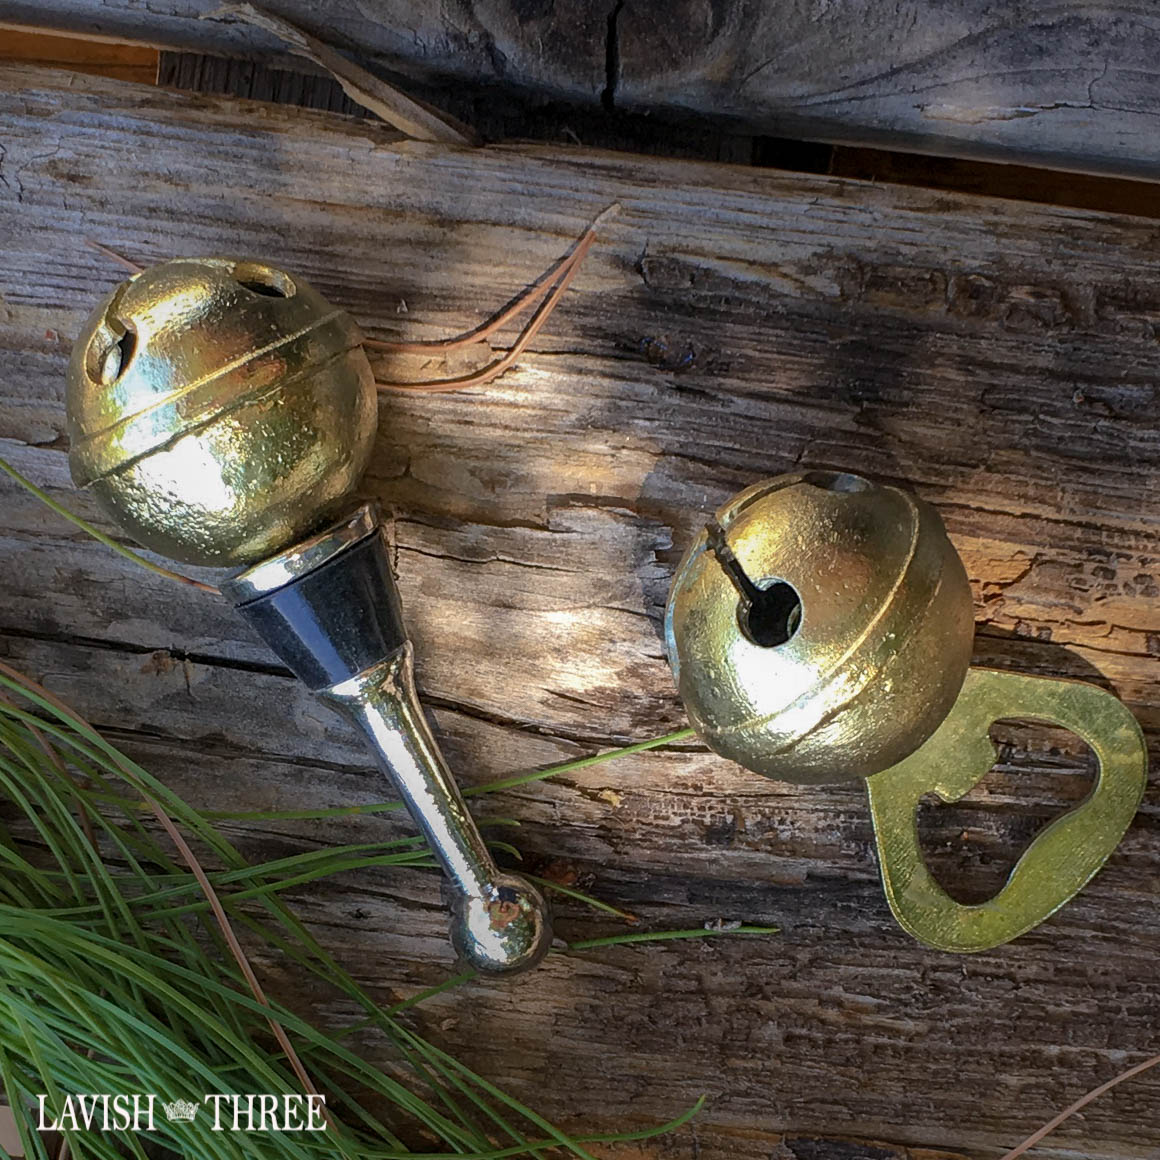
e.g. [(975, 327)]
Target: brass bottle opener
[(821, 629)]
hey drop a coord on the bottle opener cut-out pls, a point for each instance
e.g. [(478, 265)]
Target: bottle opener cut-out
[(821, 629)]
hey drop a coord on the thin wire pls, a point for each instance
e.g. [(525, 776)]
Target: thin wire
[(128, 263), (495, 369), (1082, 1102), (485, 329), (520, 303)]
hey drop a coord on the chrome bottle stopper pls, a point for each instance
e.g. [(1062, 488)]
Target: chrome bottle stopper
[(223, 412)]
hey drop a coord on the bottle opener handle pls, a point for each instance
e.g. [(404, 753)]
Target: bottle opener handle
[(1061, 859)]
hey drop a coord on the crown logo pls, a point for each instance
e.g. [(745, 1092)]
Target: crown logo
[(181, 1111)]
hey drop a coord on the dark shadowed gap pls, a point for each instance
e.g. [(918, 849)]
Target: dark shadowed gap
[(1040, 773)]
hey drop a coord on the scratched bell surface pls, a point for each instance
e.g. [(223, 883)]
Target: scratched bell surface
[(862, 654), (219, 408)]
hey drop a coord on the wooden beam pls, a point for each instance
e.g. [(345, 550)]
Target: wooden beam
[(729, 323), (1074, 87), (125, 62)]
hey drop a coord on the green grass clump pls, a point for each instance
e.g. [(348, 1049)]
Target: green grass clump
[(120, 970)]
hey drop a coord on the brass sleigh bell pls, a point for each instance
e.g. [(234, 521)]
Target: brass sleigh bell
[(821, 629), (219, 409), (223, 413)]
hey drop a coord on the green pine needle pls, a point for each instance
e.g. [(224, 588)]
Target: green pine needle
[(97, 534), (588, 944), (114, 976)]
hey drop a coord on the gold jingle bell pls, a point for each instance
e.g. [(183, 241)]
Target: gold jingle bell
[(219, 408), (821, 628)]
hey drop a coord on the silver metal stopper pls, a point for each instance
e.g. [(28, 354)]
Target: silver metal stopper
[(329, 608)]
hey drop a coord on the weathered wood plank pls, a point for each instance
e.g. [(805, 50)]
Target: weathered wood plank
[(827, 990), (1072, 87), (728, 324)]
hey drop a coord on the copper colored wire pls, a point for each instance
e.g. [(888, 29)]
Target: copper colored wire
[(541, 286), (1079, 1104), (566, 271), (128, 263)]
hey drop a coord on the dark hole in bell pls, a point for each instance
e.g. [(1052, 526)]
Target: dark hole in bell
[(773, 614), (109, 361), (263, 280), (263, 288), (127, 344)]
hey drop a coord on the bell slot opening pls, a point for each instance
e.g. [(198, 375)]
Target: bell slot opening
[(841, 481), (769, 612), (111, 351), (264, 280)]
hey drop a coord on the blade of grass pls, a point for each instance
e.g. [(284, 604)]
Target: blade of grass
[(97, 534), (588, 944)]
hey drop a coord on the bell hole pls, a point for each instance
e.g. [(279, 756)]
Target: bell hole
[(1041, 772), (773, 615), (111, 351), (843, 481), (264, 280)]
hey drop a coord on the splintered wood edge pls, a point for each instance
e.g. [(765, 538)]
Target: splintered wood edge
[(971, 88)]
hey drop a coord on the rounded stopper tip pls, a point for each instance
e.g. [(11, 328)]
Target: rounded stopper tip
[(506, 931)]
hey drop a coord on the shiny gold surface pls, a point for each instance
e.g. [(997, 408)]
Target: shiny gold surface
[(821, 628), (877, 654), (219, 408), (1062, 858)]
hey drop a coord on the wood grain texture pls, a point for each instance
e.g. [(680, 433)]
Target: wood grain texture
[(1074, 85), (998, 357), (125, 62)]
